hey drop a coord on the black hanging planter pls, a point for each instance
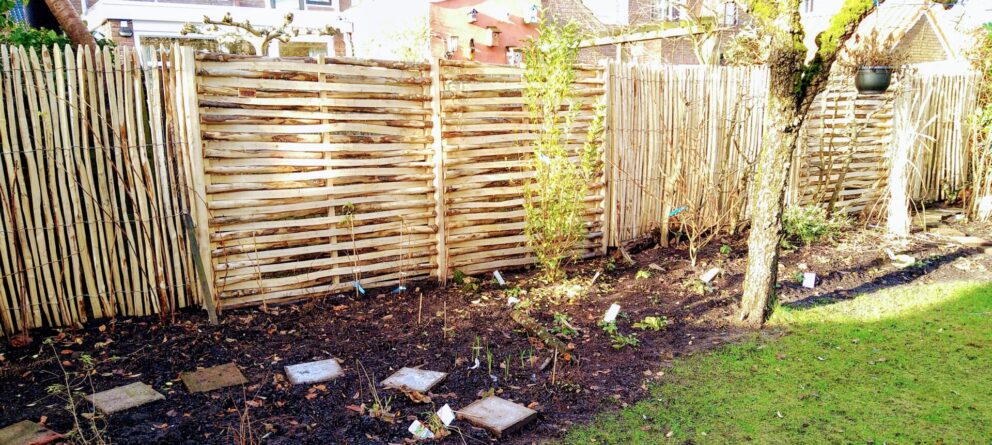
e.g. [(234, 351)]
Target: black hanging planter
[(873, 79)]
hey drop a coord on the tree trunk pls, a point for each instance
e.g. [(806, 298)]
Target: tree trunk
[(771, 174), (793, 88), (70, 22), (897, 221)]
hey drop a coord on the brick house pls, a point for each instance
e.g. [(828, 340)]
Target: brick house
[(491, 31), (662, 31), (925, 32), (666, 31)]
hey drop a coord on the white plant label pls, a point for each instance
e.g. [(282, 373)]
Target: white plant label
[(499, 278), (446, 415), (709, 275), (420, 430), (611, 313), (809, 280)]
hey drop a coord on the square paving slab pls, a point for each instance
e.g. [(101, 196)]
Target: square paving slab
[(124, 397), (499, 416), (209, 379), (413, 379), (314, 372), (27, 432)]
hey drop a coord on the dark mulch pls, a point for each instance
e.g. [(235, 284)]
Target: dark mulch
[(385, 332)]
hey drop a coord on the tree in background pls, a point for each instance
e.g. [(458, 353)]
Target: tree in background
[(71, 23), (554, 199), (21, 34), (233, 32), (794, 84)]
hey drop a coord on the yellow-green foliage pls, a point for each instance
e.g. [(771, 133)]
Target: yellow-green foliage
[(553, 200), (851, 12), (768, 14), (981, 127)]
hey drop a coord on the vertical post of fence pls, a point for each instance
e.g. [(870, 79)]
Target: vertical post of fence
[(329, 154), (439, 195), (607, 148), (194, 145)]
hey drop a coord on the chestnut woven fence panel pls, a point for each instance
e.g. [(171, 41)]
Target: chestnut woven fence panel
[(318, 175), (485, 136), (841, 161)]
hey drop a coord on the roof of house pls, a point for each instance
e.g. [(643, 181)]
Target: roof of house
[(577, 11), (899, 17)]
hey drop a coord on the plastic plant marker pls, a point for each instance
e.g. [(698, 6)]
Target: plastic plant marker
[(611, 313)]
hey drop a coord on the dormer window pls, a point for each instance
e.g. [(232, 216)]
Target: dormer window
[(494, 34), (731, 16), (532, 15), (514, 56), (667, 10)]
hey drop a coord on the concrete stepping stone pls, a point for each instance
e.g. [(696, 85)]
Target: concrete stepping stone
[(27, 432), (971, 241), (946, 231), (124, 397), (314, 372), (413, 379), (209, 379), (498, 416)]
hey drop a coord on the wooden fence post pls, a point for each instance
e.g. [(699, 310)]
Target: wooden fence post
[(439, 194), (607, 157), (194, 146)]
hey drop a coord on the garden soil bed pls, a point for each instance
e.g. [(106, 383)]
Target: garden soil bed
[(445, 330)]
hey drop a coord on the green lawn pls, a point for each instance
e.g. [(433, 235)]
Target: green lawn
[(905, 365)]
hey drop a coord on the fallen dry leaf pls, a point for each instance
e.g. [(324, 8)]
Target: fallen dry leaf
[(417, 397)]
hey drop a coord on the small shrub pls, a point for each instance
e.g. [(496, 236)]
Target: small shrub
[(810, 224), (611, 265), (458, 277), (652, 323), (514, 292), (619, 340), (563, 326), (696, 286), (725, 249), (642, 275), (797, 277)]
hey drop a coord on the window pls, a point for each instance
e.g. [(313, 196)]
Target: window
[(731, 17), (667, 10), (494, 34), (452, 47), (807, 5), (532, 15), (514, 56), (286, 4), (322, 3)]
